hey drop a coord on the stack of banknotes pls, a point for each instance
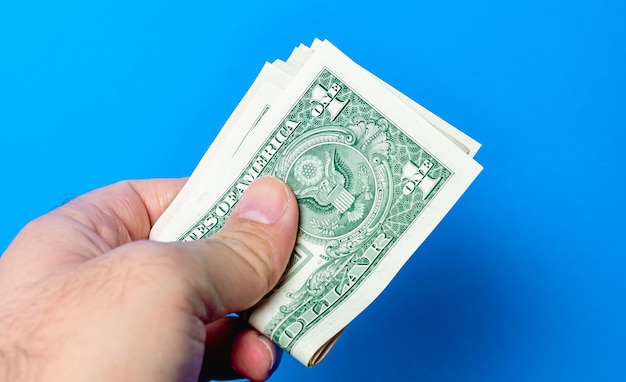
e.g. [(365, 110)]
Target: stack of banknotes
[(373, 172)]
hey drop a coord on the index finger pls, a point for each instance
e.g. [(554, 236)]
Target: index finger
[(94, 223)]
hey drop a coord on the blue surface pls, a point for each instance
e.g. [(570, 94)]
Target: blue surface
[(523, 280)]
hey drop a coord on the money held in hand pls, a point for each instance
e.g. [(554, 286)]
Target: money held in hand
[(373, 173)]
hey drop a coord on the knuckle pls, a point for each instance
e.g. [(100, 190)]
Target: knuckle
[(254, 251)]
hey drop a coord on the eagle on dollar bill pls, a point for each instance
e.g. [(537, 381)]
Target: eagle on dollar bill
[(325, 186)]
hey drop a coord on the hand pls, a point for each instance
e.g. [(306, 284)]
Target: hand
[(85, 297)]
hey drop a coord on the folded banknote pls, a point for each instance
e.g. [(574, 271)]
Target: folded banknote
[(373, 172)]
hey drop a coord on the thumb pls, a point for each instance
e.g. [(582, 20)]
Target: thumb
[(235, 268)]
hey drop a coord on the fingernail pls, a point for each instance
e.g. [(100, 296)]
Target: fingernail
[(275, 352), (278, 355), (264, 201)]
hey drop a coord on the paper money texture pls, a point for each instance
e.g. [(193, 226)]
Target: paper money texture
[(373, 172)]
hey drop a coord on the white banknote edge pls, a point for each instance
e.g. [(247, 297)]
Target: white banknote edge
[(466, 143), (268, 84)]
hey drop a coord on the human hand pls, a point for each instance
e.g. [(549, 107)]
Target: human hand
[(85, 297)]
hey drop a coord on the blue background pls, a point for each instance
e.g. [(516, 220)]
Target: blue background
[(523, 280)]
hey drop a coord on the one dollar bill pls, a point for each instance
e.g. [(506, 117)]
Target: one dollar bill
[(373, 172)]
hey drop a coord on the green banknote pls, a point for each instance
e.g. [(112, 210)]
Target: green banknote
[(373, 173)]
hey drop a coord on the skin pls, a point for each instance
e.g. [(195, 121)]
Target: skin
[(85, 296)]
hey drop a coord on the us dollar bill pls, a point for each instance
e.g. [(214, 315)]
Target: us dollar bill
[(373, 173)]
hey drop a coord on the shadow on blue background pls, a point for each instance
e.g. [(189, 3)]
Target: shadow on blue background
[(523, 280)]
